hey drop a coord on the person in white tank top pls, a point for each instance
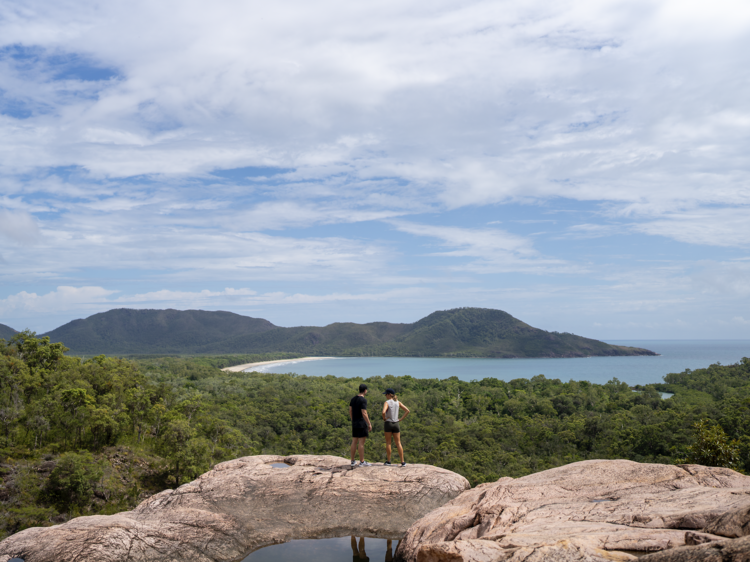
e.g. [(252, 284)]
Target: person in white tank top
[(391, 424)]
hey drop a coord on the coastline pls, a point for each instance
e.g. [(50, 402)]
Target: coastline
[(246, 366)]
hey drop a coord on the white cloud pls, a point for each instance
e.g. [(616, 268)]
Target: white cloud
[(635, 111), (89, 300), (18, 226), (711, 227), (62, 299), (731, 279), (492, 250), (166, 246)]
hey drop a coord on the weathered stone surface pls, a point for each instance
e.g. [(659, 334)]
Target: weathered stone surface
[(244, 504), (586, 511), (728, 550)]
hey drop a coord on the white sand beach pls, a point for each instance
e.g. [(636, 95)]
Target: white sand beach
[(248, 366)]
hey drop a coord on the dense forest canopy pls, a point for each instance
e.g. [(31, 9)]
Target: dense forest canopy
[(461, 332), (99, 435)]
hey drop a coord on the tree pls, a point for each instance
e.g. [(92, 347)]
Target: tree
[(37, 353), (75, 406), (174, 445), (71, 482), (712, 447)]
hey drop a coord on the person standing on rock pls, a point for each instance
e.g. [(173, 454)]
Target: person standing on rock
[(361, 425), (391, 426)]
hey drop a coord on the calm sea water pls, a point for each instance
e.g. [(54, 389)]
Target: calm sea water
[(327, 550), (675, 356)]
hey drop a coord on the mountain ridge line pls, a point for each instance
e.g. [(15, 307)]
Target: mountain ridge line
[(458, 332)]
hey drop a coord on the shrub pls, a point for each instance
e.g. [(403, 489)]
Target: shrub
[(71, 482)]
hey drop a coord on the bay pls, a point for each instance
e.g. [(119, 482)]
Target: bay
[(674, 357)]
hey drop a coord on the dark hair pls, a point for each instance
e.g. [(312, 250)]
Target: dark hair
[(362, 387)]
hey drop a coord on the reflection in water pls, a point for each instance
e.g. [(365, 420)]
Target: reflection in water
[(327, 550), (359, 554)]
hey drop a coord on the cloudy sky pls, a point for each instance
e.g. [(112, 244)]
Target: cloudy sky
[(583, 165)]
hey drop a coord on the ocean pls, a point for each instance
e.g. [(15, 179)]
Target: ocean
[(674, 357)]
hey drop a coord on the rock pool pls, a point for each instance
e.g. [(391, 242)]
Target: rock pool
[(341, 549)]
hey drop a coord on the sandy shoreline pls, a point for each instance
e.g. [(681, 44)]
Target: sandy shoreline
[(238, 368)]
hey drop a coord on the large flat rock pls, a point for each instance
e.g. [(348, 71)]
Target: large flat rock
[(588, 511), (245, 504)]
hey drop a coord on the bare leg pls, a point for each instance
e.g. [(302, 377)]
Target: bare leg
[(355, 552), (362, 553), (389, 552), (397, 437), (361, 449), (354, 447), (388, 436)]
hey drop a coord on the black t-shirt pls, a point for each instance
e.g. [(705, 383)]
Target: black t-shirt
[(358, 403)]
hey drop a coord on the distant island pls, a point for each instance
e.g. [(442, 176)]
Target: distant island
[(461, 332)]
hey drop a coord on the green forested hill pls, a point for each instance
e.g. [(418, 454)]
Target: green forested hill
[(6, 332), (461, 332), (126, 331)]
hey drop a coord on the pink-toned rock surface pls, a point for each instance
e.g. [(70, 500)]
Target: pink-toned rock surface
[(586, 511), (728, 550), (244, 504)]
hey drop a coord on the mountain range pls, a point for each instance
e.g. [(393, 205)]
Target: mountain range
[(6, 332), (461, 332)]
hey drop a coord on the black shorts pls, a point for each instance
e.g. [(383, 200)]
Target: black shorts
[(391, 427), (360, 432)]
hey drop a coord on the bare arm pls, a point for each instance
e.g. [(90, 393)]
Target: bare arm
[(385, 409), (401, 404), (350, 413), (364, 415)]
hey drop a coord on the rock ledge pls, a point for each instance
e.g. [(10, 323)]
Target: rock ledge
[(591, 511), (245, 504)]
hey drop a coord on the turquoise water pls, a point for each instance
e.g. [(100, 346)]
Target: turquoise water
[(675, 356), (327, 550)]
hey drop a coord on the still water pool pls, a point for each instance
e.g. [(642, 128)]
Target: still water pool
[(341, 549)]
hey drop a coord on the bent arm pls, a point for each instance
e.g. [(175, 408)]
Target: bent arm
[(401, 404)]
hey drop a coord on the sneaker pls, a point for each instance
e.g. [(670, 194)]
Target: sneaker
[(403, 464), (364, 463), (387, 463), (354, 464)]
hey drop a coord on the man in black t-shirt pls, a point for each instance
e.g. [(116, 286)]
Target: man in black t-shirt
[(361, 425)]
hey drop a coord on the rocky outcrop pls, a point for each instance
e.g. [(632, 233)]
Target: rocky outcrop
[(730, 550), (591, 511), (244, 504)]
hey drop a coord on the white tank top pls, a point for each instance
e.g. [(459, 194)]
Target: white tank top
[(392, 414)]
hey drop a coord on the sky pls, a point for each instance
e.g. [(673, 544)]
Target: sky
[(583, 165)]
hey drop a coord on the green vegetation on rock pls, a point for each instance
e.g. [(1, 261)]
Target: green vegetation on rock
[(462, 332), (99, 435)]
